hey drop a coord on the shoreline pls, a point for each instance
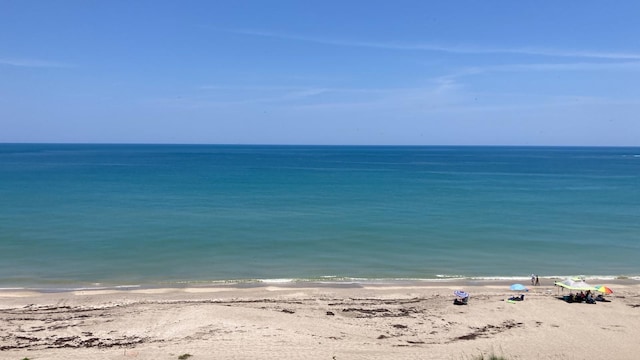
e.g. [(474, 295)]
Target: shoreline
[(338, 282)]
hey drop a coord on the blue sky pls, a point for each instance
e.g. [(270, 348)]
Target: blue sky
[(321, 72)]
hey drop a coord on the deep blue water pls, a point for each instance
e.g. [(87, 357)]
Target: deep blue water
[(74, 215)]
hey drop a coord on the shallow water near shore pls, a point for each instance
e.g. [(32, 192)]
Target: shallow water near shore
[(108, 215)]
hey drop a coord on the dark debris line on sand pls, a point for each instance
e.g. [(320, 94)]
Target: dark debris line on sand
[(487, 330), (53, 342), (38, 327)]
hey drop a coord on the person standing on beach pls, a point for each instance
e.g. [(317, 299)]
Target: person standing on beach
[(537, 281), (533, 279)]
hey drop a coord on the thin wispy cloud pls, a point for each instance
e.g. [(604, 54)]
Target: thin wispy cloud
[(251, 87), (32, 63), (306, 90), (460, 49), (580, 66), (228, 96), (276, 92), (210, 95), (439, 93), (540, 67)]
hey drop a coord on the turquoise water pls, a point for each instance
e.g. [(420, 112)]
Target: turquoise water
[(76, 215)]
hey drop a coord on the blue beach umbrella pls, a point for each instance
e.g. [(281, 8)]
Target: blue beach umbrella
[(518, 287), (460, 293)]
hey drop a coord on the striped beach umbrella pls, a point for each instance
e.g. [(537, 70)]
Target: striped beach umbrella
[(461, 294), (603, 289)]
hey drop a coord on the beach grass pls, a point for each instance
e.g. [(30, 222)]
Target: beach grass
[(489, 357)]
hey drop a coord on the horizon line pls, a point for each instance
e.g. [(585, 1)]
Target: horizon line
[(313, 145)]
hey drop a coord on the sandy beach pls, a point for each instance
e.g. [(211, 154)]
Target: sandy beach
[(400, 320)]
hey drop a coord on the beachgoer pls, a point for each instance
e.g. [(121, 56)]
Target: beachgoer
[(460, 301), (589, 298), (533, 279), (537, 280), (601, 298)]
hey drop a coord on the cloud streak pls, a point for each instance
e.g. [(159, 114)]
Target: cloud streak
[(32, 63), (541, 67), (459, 49)]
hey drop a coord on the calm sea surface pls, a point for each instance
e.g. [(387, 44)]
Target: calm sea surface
[(80, 215)]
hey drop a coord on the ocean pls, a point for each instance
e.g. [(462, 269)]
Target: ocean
[(75, 216)]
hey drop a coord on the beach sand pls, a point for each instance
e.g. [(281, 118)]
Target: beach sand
[(399, 320)]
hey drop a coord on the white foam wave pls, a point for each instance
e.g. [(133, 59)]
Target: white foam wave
[(276, 281), (127, 286)]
